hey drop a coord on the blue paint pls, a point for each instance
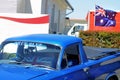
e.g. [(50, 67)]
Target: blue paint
[(87, 69)]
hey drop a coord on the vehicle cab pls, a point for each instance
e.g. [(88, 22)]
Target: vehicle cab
[(43, 53)]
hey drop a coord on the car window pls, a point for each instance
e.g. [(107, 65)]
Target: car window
[(71, 56), (78, 28), (30, 53)]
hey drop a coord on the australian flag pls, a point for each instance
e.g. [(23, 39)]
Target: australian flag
[(104, 17)]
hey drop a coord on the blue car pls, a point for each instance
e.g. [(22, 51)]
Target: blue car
[(55, 57)]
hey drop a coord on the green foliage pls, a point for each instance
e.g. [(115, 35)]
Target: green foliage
[(100, 39)]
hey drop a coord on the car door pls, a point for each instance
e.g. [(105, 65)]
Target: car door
[(71, 67)]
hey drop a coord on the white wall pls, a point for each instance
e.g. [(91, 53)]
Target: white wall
[(55, 8), (8, 6), (14, 24), (57, 13)]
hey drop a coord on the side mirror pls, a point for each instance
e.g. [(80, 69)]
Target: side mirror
[(77, 34)]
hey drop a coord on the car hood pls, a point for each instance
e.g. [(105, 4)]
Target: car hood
[(18, 72)]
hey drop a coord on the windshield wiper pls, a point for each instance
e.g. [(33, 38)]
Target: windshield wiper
[(15, 62), (44, 66)]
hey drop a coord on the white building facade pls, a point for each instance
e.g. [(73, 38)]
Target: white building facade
[(55, 8)]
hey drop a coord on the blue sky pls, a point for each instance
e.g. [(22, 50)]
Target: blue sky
[(81, 7)]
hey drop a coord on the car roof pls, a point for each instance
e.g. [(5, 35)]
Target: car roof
[(55, 39)]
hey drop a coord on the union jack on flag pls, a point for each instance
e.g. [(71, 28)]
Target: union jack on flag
[(100, 11), (104, 17)]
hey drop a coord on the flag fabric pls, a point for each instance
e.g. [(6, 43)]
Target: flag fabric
[(104, 17)]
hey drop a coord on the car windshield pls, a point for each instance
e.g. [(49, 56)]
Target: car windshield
[(32, 53)]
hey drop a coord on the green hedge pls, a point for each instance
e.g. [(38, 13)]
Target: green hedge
[(100, 39)]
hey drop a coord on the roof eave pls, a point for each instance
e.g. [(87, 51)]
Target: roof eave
[(69, 5)]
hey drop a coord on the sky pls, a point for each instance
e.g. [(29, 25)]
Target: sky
[(82, 7)]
